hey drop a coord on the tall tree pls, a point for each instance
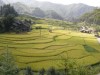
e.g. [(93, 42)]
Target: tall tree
[(8, 15), (28, 71), (7, 64), (8, 22), (8, 10), (51, 71), (42, 71)]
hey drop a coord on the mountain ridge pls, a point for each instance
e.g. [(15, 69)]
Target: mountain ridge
[(67, 12)]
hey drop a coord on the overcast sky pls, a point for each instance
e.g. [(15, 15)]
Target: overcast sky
[(66, 2)]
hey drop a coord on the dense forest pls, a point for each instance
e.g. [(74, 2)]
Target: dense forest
[(92, 17), (9, 23)]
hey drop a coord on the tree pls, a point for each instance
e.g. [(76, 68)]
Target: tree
[(2, 27), (72, 68), (7, 64), (81, 70), (7, 10), (28, 71), (8, 14), (51, 71), (8, 22), (69, 66), (42, 72)]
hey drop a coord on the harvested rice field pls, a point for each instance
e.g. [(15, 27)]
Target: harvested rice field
[(43, 49)]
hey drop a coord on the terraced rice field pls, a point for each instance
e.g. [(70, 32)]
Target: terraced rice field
[(31, 49)]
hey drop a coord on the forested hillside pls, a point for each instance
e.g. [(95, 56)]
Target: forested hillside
[(9, 23), (92, 17)]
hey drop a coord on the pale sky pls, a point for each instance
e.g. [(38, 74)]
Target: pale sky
[(66, 2)]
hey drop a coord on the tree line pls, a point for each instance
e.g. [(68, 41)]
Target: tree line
[(9, 23), (92, 17)]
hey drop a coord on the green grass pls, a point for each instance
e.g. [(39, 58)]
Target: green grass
[(31, 49), (90, 49)]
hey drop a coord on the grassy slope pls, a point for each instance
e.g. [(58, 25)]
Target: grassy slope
[(31, 49)]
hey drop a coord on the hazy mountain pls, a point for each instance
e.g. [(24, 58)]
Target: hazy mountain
[(37, 12), (68, 12), (27, 2), (76, 10), (22, 8), (1, 3), (53, 14)]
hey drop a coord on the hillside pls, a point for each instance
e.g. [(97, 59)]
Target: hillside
[(22, 8), (92, 17), (68, 12), (76, 10), (37, 12), (54, 15)]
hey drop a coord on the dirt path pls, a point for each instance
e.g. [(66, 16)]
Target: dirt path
[(98, 40)]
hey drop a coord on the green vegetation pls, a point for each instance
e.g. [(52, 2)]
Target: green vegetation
[(7, 64), (92, 17), (45, 46), (70, 67), (9, 23), (90, 49), (43, 52), (7, 17)]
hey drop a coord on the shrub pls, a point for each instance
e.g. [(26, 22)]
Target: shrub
[(42, 72), (28, 71)]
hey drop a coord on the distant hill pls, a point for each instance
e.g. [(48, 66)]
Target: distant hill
[(53, 14), (22, 8), (92, 17), (65, 10), (68, 12), (37, 12), (76, 10)]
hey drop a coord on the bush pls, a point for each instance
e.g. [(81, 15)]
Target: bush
[(52, 71), (42, 72), (28, 71)]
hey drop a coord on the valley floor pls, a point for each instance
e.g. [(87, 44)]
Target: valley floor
[(43, 49)]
